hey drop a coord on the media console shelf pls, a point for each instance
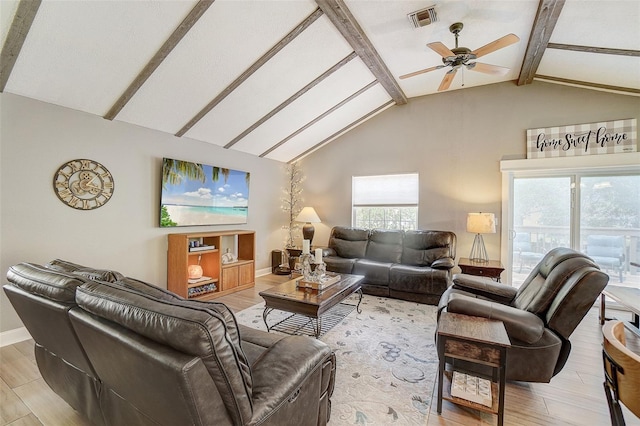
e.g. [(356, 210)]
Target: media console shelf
[(219, 279)]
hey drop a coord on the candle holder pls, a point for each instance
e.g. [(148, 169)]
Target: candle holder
[(305, 265)]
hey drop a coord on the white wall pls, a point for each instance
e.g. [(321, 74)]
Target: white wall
[(455, 141), (35, 226)]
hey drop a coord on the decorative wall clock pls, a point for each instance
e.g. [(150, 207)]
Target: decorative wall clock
[(83, 184)]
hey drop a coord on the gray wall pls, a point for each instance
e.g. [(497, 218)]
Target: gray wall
[(36, 138), (455, 141)]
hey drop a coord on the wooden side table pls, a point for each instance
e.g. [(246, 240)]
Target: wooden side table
[(491, 269), (476, 340)]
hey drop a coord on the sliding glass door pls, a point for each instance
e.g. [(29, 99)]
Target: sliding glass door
[(610, 225), (541, 220), (598, 214)]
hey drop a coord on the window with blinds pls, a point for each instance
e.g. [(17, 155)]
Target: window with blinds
[(385, 201)]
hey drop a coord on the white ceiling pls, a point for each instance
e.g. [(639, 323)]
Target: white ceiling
[(279, 78)]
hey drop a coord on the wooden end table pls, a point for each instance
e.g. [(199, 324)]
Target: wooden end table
[(309, 303), (491, 269), (476, 340)]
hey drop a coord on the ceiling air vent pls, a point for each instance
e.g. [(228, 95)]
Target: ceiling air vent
[(423, 17)]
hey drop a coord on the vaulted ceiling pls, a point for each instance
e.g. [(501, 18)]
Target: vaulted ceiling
[(281, 78)]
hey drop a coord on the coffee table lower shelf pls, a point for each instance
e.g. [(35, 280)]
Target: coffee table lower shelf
[(298, 324)]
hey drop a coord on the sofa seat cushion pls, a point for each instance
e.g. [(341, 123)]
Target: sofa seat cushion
[(339, 265), (376, 273), (255, 342), (417, 279), (205, 330)]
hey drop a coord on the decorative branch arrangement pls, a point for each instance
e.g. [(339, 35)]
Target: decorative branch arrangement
[(292, 201)]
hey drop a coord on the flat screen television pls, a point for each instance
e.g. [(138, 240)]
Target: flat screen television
[(197, 194)]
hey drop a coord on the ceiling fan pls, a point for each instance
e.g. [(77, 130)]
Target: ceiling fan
[(459, 56)]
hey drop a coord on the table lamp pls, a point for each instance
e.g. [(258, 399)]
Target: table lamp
[(308, 215), (480, 223)]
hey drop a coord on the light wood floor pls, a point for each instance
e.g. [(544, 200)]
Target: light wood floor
[(574, 397)]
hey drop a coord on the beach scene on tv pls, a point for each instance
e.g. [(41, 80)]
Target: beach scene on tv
[(198, 194)]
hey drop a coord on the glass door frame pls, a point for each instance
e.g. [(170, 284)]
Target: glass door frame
[(575, 167)]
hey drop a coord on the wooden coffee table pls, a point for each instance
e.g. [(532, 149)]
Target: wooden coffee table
[(313, 305)]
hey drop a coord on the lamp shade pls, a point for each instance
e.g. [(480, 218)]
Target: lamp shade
[(309, 215), (481, 223)]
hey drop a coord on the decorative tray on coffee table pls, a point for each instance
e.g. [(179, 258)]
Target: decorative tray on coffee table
[(325, 282)]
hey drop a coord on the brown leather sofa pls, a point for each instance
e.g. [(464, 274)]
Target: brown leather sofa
[(127, 352), (539, 316), (408, 265)]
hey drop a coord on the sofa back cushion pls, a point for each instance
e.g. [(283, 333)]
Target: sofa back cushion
[(84, 271), (54, 285), (148, 289), (205, 330), (350, 243), (43, 298), (547, 278), (422, 248), (385, 246)]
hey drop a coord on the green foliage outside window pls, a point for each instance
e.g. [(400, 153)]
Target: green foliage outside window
[(391, 217)]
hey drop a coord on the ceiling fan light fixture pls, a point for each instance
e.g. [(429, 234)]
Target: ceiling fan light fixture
[(423, 17)]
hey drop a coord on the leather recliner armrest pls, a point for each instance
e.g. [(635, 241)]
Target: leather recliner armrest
[(282, 369), (520, 325), (485, 287), (443, 263)]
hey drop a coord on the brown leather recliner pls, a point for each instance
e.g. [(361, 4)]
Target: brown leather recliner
[(139, 354), (539, 316)]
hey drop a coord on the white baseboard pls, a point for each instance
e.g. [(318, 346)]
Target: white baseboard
[(16, 335), (263, 272)]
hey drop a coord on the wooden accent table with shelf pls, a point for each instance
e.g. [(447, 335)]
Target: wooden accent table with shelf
[(491, 269), (475, 340), (226, 278)]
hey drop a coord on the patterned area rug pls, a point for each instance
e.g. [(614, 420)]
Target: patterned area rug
[(386, 361)]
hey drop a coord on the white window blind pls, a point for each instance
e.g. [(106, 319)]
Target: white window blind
[(385, 190)]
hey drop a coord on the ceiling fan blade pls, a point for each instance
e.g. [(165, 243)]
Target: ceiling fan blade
[(488, 69), (505, 41), (440, 49), (448, 78), (411, 74)]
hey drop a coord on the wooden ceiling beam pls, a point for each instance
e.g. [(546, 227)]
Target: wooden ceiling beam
[(588, 84), (287, 102), (253, 68), (321, 116), (543, 25), (20, 26), (591, 49), (185, 26), (341, 17)]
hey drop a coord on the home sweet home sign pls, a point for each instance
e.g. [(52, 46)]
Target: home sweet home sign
[(607, 137)]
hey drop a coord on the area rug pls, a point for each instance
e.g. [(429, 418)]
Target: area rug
[(386, 361)]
